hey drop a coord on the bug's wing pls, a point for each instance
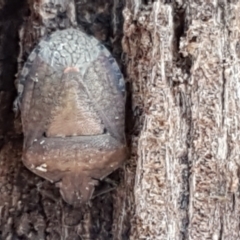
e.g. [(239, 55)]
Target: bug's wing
[(105, 86), (40, 89), (99, 76)]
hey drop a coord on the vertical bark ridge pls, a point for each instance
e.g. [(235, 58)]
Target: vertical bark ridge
[(160, 102), (210, 41)]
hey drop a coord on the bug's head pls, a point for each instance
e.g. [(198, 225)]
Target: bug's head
[(76, 189)]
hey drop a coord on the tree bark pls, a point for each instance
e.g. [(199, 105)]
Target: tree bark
[(181, 65)]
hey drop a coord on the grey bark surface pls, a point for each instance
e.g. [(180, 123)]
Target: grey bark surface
[(181, 59)]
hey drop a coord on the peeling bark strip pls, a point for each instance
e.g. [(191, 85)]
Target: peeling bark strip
[(183, 65)]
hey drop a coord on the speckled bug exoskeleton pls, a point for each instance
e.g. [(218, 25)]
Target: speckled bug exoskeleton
[(72, 103)]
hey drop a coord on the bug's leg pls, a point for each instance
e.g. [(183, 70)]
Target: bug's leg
[(106, 185)]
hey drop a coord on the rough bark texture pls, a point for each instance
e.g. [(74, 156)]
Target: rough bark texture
[(182, 61)]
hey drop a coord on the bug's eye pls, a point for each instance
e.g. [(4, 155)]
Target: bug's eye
[(44, 134), (104, 131)]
